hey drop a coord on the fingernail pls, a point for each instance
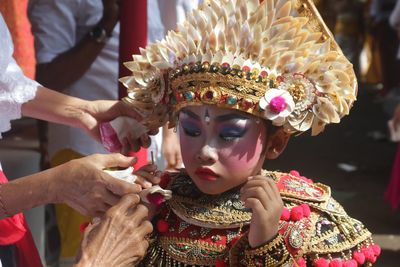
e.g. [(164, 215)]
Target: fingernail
[(250, 178)]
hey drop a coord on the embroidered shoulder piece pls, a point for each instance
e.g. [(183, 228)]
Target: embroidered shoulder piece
[(296, 187), (214, 211)]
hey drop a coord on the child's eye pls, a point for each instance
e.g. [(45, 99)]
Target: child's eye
[(231, 134), (190, 129)]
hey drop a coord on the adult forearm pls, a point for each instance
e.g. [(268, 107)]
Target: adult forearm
[(56, 107), (70, 66), (25, 193)]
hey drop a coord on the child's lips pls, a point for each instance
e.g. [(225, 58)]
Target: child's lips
[(206, 174)]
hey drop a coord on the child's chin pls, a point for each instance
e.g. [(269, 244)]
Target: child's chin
[(211, 189)]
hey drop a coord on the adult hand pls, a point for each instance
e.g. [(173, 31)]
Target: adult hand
[(147, 176), (171, 149), (262, 196), (84, 186), (110, 15), (99, 111), (118, 238)]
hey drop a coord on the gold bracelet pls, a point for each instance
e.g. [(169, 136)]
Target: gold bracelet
[(273, 253), (2, 206)]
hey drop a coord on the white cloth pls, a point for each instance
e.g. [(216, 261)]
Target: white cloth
[(15, 88), (58, 25)]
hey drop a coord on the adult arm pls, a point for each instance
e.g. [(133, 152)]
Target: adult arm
[(80, 183), (56, 43), (71, 111)]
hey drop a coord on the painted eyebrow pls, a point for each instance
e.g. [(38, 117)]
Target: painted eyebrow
[(228, 117), (191, 114)]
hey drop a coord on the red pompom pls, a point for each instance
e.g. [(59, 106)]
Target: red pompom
[(295, 173), (83, 226), (376, 249), (285, 215), (306, 210), (164, 180), (156, 198), (296, 214), (336, 263), (350, 263), (162, 226), (301, 262), (220, 263), (359, 257), (373, 260), (368, 253), (321, 262)]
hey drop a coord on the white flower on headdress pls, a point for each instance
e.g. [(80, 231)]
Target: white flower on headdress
[(277, 105)]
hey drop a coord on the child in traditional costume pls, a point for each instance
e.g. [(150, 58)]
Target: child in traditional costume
[(240, 77)]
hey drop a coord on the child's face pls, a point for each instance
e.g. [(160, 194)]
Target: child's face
[(220, 147)]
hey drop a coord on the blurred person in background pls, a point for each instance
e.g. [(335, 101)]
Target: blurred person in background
[(77, 54), (81, 184)]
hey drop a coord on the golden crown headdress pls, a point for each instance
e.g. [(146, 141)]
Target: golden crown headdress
[(276, 60)]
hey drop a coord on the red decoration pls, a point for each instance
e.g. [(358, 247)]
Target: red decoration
[(301, 262), (162, 226), (234, 240), (296, 214), (246, 104), (294, 173), (321, 262), (178, 97), (246, 68), (306, 210), (225, 64), (359, 257), (220, 263), (376, 249), (285, 215), (368, 253), (164, 180), (277, 104), (156, 198), (264, 73), (336, 263), (350, 263), (83, 226), (280, 79)]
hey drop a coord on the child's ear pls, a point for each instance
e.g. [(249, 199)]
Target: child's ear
[(277, 143)]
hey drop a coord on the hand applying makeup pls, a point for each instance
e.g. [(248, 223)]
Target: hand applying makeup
[(261, 195)]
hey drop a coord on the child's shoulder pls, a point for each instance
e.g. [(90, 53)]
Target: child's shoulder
[(292, 185), (312, 220)]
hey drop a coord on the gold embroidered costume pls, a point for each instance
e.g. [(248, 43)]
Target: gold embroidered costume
[(275, 60), (206, 230)]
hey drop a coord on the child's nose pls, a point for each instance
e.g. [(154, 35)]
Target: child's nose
[(207, 155)]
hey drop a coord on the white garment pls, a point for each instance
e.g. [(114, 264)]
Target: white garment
[(394, 21), (58, 25), (15, 88)]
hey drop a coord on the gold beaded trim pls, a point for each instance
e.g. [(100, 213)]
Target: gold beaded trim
[(192, 251)]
